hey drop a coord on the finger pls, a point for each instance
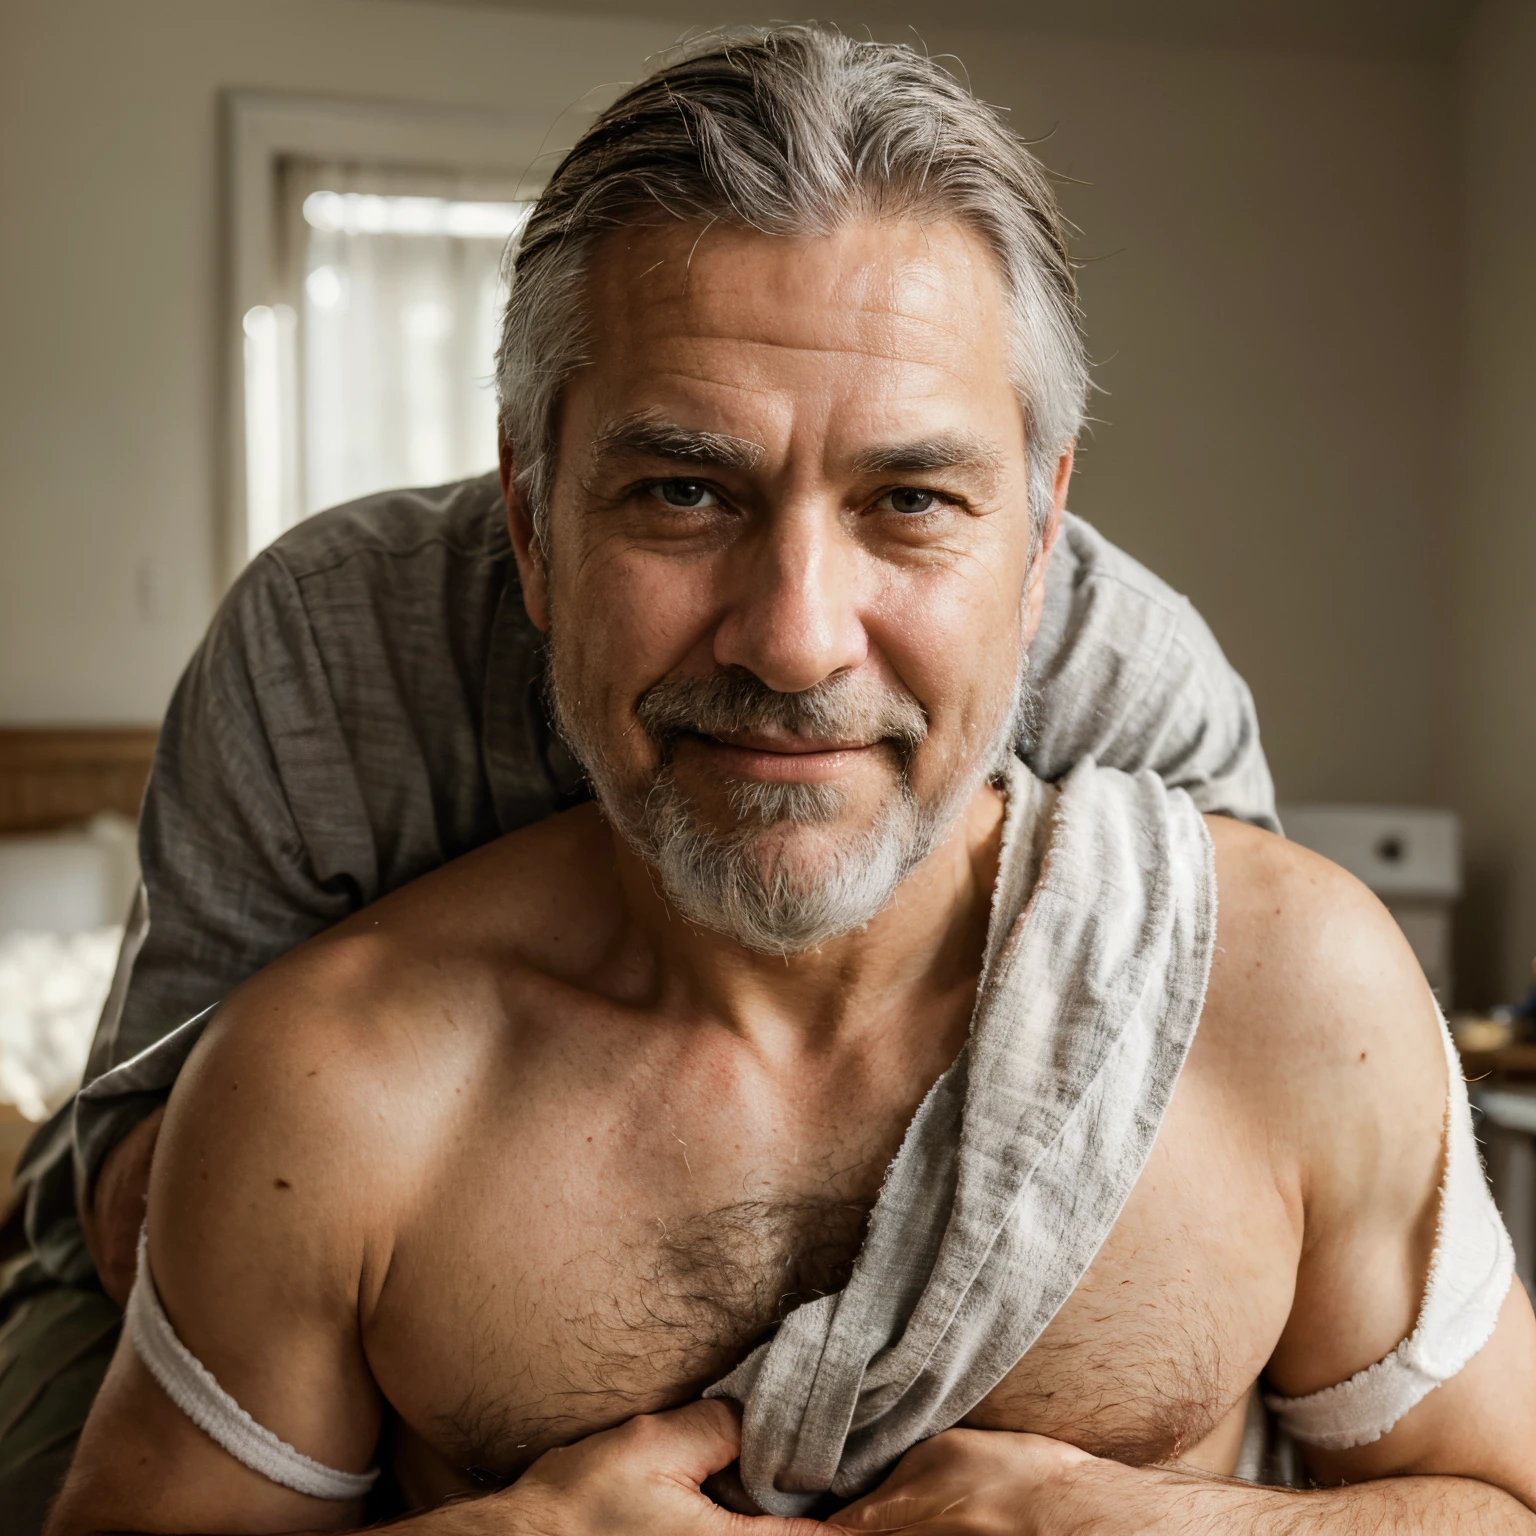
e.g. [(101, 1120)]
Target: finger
[(882, 1512), (693, 1441), (770, 1525), (914, 1489)]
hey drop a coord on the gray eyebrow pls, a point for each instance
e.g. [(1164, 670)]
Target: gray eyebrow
[(957, 450), (651, 435)]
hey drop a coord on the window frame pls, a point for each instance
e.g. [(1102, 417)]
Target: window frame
[(261, 130)]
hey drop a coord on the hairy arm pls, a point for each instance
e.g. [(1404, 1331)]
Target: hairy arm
[(987, 1482)]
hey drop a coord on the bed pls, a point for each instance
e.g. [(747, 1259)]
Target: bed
[(69, 799)]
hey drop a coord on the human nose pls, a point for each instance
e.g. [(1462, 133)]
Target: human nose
[(793, 619)]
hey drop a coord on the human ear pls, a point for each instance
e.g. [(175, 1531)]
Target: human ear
[(531, 568), (1034, 586)]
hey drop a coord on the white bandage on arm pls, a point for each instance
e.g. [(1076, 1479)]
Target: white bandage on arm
[(1469, 1277), (190, 1385)]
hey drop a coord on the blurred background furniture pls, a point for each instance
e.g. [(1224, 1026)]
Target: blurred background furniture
[(69, 800), (1507, 1099), (1408, 855)]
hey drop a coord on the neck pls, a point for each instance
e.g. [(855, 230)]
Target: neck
[(924, 949)]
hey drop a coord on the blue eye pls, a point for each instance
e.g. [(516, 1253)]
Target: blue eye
[(910, 501), (686, 494)]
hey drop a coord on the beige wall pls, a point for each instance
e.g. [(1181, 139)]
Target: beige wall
[(1269, 238), (1269, 295), (1490, 736)]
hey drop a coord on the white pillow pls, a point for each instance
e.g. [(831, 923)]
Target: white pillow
[(52, 986), (63, 898), (66, 882)]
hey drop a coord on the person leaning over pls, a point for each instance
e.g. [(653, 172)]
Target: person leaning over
[(366, 706), (1003, 1149)]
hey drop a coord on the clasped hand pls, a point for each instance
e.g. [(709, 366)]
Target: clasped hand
[(644, 1479), (979, 1482)]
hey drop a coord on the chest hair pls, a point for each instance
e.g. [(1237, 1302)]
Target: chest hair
[(650, 1321)]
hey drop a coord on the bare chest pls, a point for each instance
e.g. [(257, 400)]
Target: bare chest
[(612, 1298), (584, 1296), (1164, 1336)]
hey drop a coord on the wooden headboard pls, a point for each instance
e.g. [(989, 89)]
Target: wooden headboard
[(53, 777)]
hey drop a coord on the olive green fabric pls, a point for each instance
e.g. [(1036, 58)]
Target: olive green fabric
[(55, 1345)]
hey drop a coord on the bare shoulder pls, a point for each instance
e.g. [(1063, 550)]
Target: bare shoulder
[(1320, 1013), (1323, 1040), (329, 1089), (323, 1107), (294, 1133)]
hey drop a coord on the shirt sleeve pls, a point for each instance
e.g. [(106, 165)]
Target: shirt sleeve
[(231, 878), (1125, 671)]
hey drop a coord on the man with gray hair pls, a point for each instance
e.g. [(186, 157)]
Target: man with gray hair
[(829, 1063)]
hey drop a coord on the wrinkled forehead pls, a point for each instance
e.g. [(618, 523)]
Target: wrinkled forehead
[(877, 326)]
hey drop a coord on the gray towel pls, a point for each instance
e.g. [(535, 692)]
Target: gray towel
[(1023, 1154)]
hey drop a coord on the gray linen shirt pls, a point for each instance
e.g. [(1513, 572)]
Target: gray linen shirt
[(366, 706)]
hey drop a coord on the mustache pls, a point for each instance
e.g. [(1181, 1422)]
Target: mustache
[(735, 701)]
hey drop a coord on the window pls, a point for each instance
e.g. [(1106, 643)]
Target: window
[(367, 250), (376, 369), (402, 298)]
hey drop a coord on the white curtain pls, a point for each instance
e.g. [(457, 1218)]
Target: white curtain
[(393, 284)]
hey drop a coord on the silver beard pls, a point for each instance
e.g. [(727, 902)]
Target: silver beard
[(766, 900)]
